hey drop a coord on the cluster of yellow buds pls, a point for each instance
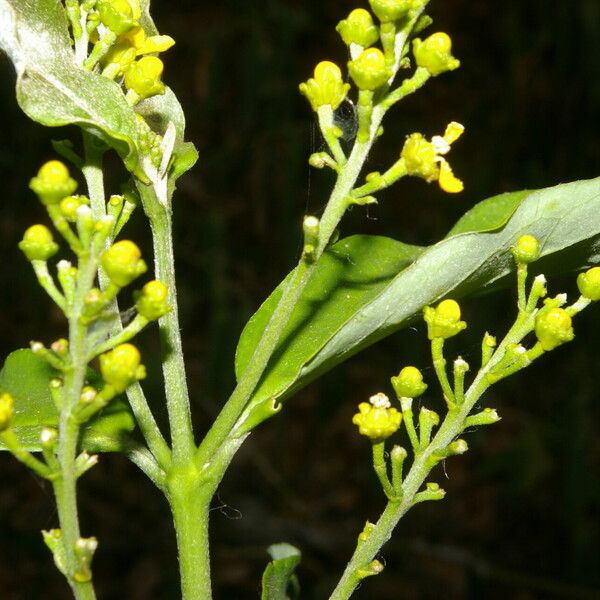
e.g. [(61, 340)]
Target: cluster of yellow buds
[(122, 43), (425, 158), (129, 46)]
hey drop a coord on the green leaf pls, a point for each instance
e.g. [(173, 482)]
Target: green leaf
[(27, 377), (52, 89), (351, 274), (358, 294), (489, 214), (279, 581)]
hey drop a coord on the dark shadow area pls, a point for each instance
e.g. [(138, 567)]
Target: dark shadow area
[(521, 516)]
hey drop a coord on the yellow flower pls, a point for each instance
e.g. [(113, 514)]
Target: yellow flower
[(425, 159), (376, 419), (130, 45)]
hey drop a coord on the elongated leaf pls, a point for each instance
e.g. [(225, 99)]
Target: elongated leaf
[(27, 377), (279, 581), (54, 91), (353, 272), (51, 88), (330, 325)]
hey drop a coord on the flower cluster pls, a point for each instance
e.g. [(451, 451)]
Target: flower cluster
[(375, 60), (124, 50)]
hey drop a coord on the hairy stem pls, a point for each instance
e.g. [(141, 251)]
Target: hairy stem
[(176, 390), (65, 485), (94, 177)]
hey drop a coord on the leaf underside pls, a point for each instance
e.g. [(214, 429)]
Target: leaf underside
[(365, 288), (54, 91)]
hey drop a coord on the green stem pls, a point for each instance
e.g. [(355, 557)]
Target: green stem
[(521, 283), (326, 124), (247, 383), (381, 470), (94, 177), (190, 506), (123, 336), (189, 491), (176, 390), (439, 364), (65, 486), (409, 422), (453, 425), (47, 282), (10, 440)]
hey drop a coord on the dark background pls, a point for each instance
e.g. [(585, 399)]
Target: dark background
[(521, 517)]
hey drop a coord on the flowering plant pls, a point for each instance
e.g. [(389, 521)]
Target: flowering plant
[(95, 64)]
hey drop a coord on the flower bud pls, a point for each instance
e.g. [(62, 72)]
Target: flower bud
[(409, 383), (38, 243), (589, 283), (48, 437), (69, 205), (144, 77), (53, 182), (121, 367), (6, 411), (358, 28), (376, 420), (444, 320), (369, 71), (151, 300), (119, 15), (123, 263), (488, 416), (326, 87), (420, 157), (392, 10), (434, 54), (526, 250), (553, 327)]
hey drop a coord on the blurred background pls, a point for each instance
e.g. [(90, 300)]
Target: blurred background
[(521, 517)]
